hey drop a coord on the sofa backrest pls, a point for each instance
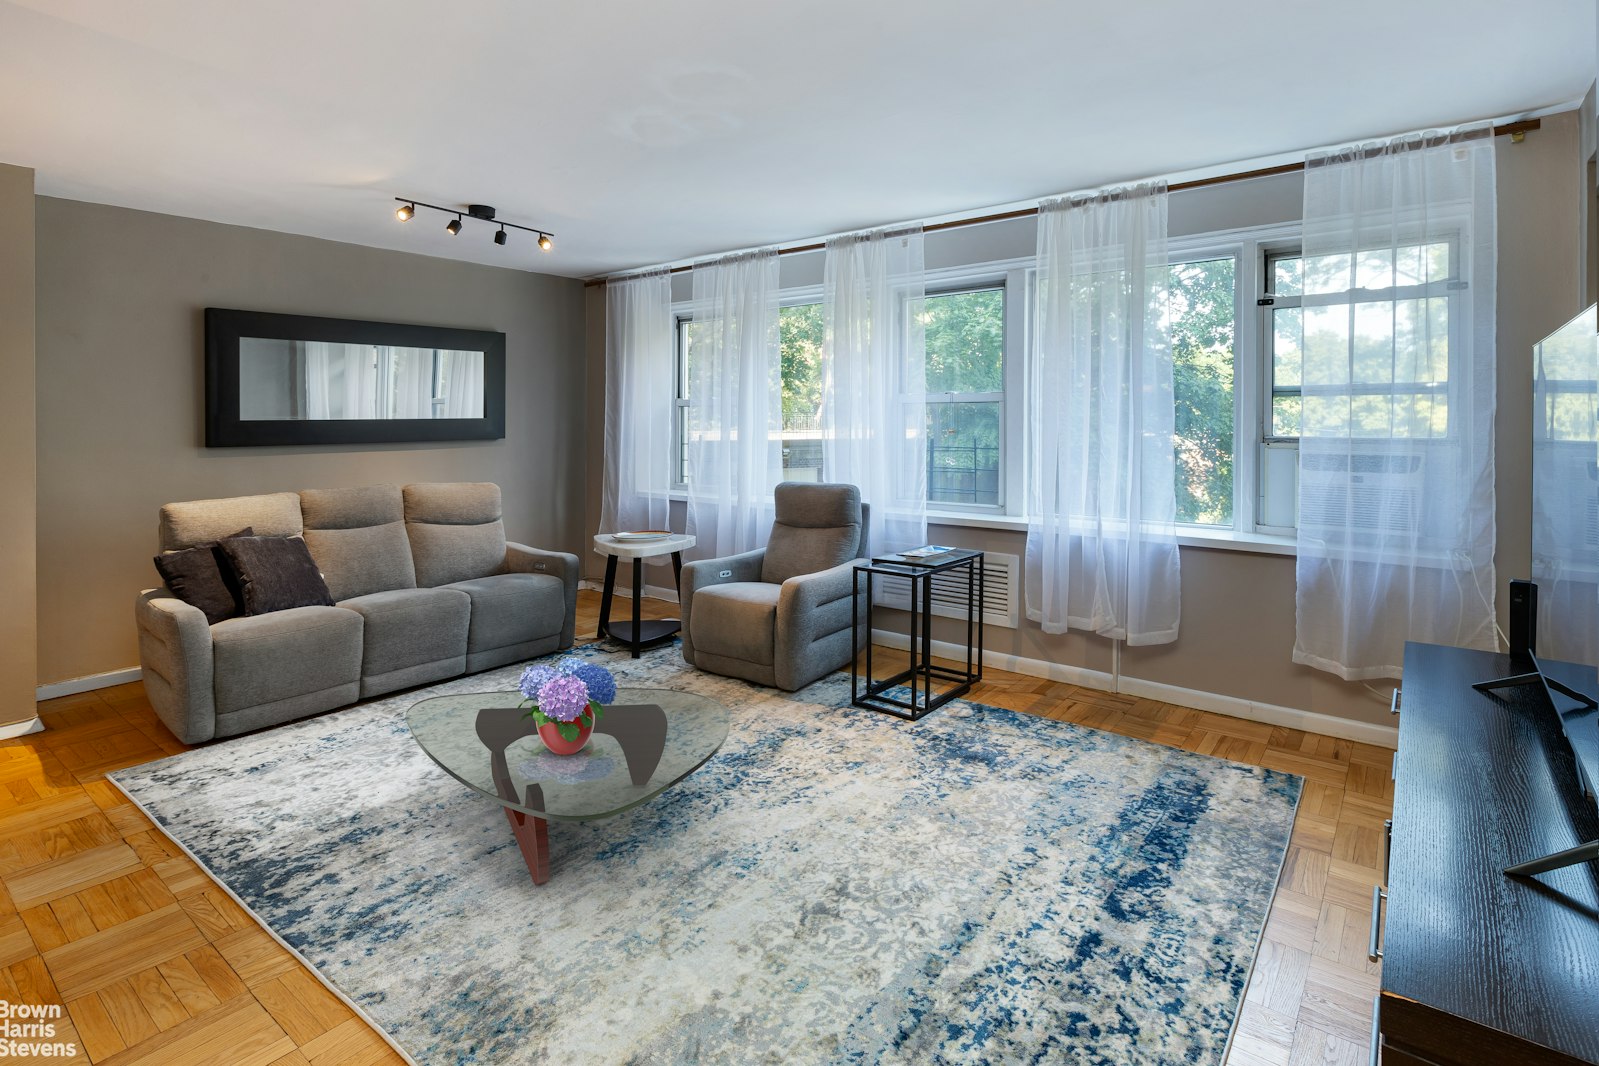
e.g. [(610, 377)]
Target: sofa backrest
[(456, 529), (195, 522), (818, 527), (357, 537)]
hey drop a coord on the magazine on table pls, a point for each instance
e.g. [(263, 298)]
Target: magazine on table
[(925, 551)]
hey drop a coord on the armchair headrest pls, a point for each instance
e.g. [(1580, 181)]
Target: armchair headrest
[(817, 506)]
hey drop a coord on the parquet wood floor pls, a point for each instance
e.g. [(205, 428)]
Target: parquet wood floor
[(155, 964)]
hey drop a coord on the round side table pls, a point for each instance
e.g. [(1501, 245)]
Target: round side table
[(638, 634)]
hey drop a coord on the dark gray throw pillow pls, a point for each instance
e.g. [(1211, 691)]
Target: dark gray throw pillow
[(202, 577), (276, 573)]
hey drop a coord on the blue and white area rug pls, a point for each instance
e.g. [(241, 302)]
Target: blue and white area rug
[(835, 886)]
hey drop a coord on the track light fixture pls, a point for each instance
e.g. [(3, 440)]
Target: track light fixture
[(483, 212)]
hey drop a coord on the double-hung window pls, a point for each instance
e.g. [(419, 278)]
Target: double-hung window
[(800, 350), (1385, 317), (965, 337), (1201, 324)]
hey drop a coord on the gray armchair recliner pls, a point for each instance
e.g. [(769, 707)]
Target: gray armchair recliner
[(780, 615)]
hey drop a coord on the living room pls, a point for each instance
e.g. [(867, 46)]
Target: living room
[(153, 169)]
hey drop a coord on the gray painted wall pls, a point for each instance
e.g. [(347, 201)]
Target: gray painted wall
[(120, 370), (18, 481), (1238, 607)]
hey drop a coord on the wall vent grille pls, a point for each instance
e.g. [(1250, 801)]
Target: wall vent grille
[(1001, 578)]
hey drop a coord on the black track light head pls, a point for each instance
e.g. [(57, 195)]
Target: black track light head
[(454, 227), (545, 242), (499, 238), (405, 212)]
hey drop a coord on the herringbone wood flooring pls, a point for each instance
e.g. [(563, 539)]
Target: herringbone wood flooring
[(154, 963)]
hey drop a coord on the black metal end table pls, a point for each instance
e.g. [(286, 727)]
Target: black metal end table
[(921, 674)]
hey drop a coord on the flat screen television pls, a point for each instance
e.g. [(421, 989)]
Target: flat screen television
[(1555, 617)]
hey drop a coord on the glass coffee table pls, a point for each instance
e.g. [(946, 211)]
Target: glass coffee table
[(646, 741)]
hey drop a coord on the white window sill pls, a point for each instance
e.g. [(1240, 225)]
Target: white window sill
[(1187, 536)]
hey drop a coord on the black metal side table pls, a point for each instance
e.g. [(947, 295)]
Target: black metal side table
[(922, 673)]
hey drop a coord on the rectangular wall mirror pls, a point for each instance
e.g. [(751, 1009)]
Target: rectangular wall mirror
[(293, 379)]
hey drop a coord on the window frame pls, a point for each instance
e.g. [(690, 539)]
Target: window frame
[(1007, 493), (1278, 455)]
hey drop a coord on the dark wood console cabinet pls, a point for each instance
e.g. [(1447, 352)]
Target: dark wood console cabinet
[(1478, 967)]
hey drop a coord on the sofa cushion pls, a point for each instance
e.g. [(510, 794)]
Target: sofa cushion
[(357, 537), (455, 530), (202, 577), (186, 525), (817, 528), (409, 627), (278, 656), (276, 574), (512, 609), (736, 620)]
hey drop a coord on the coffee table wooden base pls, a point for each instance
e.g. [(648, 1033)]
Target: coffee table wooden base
[(533, 837)]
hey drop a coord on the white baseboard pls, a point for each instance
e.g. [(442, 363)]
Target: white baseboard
[(626, 590), (1327, 725), (1016, 664), (21, 729), (1232, 706), (75, 685)]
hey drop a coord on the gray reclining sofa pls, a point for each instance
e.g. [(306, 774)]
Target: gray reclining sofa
[(426, 587)]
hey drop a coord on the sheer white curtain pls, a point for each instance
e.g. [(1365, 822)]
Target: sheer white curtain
[(411, 379), (638, 403), (463, 384), (1101, 542), (734, 415), (341, 380), (874, 418), (1396, 491)]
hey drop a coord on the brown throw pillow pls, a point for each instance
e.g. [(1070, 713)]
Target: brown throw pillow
[(276, 573), (202, 577)]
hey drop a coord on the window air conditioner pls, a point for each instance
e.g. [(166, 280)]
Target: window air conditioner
[(1363, 492)]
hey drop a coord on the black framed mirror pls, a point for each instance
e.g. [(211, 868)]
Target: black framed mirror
[(296, 379)]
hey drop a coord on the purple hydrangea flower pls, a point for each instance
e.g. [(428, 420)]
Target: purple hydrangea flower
[(563, 698), (534, 678), (601, 685)]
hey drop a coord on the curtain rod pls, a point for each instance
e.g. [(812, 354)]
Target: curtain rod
[(1515, 130)]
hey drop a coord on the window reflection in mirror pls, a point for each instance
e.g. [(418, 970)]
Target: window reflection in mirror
[(291, 380)]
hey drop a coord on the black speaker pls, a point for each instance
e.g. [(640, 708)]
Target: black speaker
[(1523, 620)]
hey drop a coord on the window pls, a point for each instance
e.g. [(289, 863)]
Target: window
[(1202, 325), (1384, 296), (965, 335), (799, 339), (800, 353)]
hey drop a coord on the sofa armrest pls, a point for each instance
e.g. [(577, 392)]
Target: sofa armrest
[(520, 559), (702, 573), (175, 653)]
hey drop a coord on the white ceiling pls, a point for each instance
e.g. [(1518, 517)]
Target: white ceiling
[(646, 132)]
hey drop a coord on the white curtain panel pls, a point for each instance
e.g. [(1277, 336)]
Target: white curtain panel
[(1396, 490), (638, 404), (874, 418), (734, 415), (342, 380), (1101, 538), (317, 358), (463, 384), (411, 379)]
